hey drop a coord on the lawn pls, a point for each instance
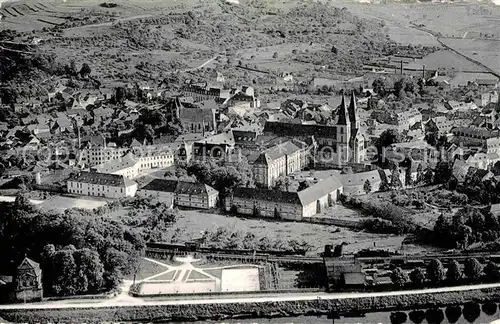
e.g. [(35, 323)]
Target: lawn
[(146, 270), (61, 203)]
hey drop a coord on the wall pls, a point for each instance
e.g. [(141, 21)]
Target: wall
[(194, 201), (265, 208), (167, 196), (85, 189)]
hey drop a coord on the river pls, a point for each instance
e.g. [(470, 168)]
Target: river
[(474, 313)]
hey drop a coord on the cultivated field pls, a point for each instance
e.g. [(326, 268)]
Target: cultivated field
[(487, 52), (446, 60), (447, 19)]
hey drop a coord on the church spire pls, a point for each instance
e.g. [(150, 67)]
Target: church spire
[(343, 113), (353, 114)]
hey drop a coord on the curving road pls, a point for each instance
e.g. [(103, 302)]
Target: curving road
[(124, 300)]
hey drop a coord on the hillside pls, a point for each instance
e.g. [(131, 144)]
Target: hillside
[(150, 40)]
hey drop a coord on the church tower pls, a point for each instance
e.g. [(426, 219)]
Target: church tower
[(343, 131), (353, 112), (357, 141)]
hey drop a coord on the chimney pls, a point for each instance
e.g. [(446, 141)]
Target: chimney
[(38, 178), (79, 138), (401, 66), (423, 71)]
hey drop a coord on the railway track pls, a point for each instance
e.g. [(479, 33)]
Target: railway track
[(315, 259)]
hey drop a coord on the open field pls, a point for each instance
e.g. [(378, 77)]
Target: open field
[(444, 19), (191, 224), (446, 60), (486, 52), (61, 203)]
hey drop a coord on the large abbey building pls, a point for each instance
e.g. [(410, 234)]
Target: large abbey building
[(339, 143)]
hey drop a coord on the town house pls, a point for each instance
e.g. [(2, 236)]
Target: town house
[(285, 205), (101, 185), (182, 193), (279, 160)]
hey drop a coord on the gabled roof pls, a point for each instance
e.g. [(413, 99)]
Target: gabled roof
[(32, 264), (104, 179), (319, 190), (114, 165), (27, 262), (161, 185), (460, 170), (357, 179), (289, 129), (191, 137), (276, 152), (267, 194), (225, 138), (95, 140), (179, 187)]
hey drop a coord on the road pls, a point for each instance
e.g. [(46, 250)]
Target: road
[(12, 199), (124, 300), (202, 65)]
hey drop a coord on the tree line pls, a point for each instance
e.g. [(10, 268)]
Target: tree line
[(79, 252), (436, 274)]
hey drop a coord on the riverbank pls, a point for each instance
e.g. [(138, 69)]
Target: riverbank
[(284, 306)]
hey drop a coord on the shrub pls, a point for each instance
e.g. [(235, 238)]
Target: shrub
[(399, 277), (473, 269), (418, 276), (454, 273), (435, 271)]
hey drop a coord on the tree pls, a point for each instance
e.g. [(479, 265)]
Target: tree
[(471, 312), (275, 55), (64, 267), (385, 139), (418, 276), (434, 316), (417, 316), (85, 71), (473, 269), (334, 50), (491, 272), (453, 313), (283, 183), (277, 214), (120, 94), (398, 317), (454, 273), (71, 68), (256, 211), (435, 271), (489, 307), (90, 269), (367, 187), (380, 87), (399, 277), (304, 184), (399, 87), (395, 180), (249, 242), (442, 173)]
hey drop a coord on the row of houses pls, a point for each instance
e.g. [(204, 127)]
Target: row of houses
[(179, 193)]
